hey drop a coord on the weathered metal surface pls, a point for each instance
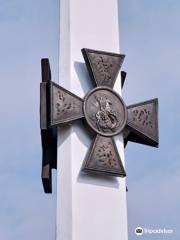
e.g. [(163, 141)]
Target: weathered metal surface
[(103, 157), (65, 106), (48, 136), (103, 67), (49, 157), (105, 111), (123, 78), (44, 99), (143, 122), (43, 105), (45, 70)]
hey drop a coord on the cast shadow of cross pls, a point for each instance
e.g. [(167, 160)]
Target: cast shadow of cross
[(103, 111)]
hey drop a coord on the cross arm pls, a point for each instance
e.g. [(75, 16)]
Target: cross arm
[(103, 157), (142, 124), (57, 106), (103, 67), (48, 136), (64, 106)]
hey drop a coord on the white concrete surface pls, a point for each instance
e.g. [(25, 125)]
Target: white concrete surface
[(88, 208)]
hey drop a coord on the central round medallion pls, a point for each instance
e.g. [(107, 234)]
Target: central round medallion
[(105, 111)]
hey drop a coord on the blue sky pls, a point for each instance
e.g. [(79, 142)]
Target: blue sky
[(150, 39)]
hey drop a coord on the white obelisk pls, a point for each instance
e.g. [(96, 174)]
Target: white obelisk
[(88, 207)]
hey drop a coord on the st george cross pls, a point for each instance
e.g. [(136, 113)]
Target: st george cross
[(103, 111)]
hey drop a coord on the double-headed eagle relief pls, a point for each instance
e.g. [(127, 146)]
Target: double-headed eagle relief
[(104, 112)]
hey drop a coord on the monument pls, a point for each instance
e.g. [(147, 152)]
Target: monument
[(85, 124)]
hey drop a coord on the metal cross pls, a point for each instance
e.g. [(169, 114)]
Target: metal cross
[(104, 112)]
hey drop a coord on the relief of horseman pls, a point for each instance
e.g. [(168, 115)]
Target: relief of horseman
[(106, 117)]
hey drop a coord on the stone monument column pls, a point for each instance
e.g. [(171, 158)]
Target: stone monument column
[(89, 206)]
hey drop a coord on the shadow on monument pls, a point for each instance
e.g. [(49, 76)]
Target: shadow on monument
[(98, 180), (83, 76)]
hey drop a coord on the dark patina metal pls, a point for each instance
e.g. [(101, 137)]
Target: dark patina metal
[(65, 106), (143, 123), (48, 135), (103, 67), (104, 112), (123, 78), (103, 157)]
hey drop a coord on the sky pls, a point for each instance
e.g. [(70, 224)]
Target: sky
[(150, 39)]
